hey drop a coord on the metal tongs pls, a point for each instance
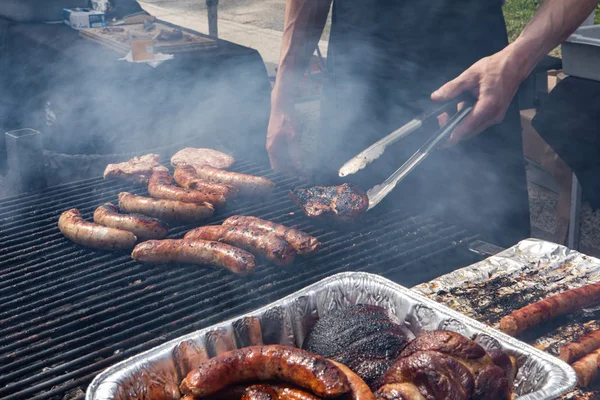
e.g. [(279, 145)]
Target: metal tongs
[(378, 192)]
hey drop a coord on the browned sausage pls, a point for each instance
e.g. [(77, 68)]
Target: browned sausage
[(168, 210), (93, 235), (141, 226), (248, 185), (200, 252), (360, 390), (186, 177), (302, 242), (263, 244), (587, 368), (259, 392), (551, 307), (161, 186), (573, 351), (289, 392), (264, 363)]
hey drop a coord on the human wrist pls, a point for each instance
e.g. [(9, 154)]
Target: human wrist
[(524, 55)]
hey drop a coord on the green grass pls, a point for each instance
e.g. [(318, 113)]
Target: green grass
[(518, 13)]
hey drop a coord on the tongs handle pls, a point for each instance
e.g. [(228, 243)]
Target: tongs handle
[(375, 151), (378, 192)]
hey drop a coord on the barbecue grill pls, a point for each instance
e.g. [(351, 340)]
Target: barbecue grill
[(67, 312)]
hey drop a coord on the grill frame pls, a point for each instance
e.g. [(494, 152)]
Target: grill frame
[(67, 312)]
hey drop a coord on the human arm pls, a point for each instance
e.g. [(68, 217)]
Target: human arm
[(303, 26), (494, 80)]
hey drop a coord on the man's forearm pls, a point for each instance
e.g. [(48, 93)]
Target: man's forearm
[(554, 21), (303, 26)]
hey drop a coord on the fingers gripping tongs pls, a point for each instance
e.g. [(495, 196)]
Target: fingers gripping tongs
[(378, 192)]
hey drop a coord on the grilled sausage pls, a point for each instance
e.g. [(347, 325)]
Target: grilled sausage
[(161, 186), (266, 245), (186, 177), (93, 235), (198, 252), (169, 210), (360, 390), (248, 185), (551, 307), (573, 351), (284, 391), (141, 226), (302, 242), (264, 363), (587, 368), (259, 392)]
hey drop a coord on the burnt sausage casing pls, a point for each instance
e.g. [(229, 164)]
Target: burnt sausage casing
[(140, 225), (267, 363), (199, 252), (89, 234), (360, 390), (303, 243), (248, 185), (161, 187), (166, 210), (263, 244), (563, 303), (186, 177)]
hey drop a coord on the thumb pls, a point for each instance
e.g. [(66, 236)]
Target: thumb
[(453, 88)]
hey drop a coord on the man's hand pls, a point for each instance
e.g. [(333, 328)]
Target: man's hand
[(283, 143), (494, 81)]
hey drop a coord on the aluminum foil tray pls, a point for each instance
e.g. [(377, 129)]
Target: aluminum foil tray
[(287, 321), (523, 274)]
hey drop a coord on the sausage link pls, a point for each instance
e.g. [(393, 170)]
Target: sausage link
[(263, 244), (186, 177), (259, 392), (93, 235), (290, 392), (265, 363), (199, 252), (141, 226), (573, 351), (360, 390), (302, 242), (587, 368), (161, 186), (247, 185), (563, 303), (169, 210)]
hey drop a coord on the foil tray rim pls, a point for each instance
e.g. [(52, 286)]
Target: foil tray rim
[(565, 377)]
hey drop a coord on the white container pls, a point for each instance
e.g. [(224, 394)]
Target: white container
[(83, 18), (581, 53)]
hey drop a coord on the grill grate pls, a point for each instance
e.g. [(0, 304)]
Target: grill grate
[(67, 312)]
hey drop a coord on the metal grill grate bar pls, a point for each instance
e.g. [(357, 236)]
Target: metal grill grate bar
[(68, 312)]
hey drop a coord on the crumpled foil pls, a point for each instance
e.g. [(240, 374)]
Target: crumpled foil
[(523, 274), (287, 321)]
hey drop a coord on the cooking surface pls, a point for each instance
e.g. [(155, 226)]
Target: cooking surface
[(67, 312), (522, 275)]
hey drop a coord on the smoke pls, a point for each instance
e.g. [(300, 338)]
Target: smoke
[(93, 109), (382, 76), (384, 60)]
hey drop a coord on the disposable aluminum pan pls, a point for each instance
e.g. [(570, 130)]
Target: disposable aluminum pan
[(287, 321)]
